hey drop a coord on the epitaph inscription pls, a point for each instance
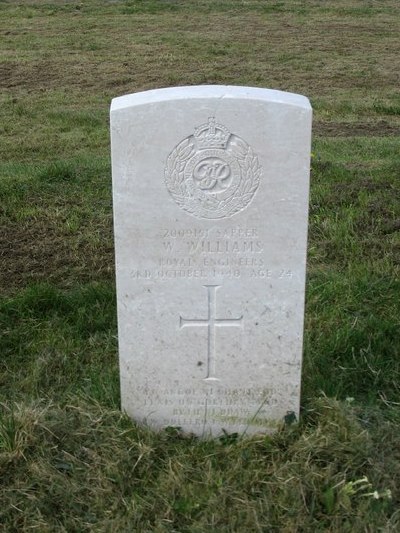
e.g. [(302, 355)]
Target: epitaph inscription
[(213, 173), (211, 322)]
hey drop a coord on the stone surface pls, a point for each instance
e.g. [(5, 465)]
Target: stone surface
[(210, 188)]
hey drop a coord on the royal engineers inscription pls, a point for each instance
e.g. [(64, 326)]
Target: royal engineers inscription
[(210, 188)]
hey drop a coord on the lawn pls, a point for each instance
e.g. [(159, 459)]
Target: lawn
[(69, 459)]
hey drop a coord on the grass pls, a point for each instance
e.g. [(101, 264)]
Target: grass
[(107, 474), (69, 459)]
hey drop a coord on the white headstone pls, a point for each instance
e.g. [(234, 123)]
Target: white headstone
[(210, 189)]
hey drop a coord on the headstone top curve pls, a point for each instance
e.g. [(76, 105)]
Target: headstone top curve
[(209, 91)]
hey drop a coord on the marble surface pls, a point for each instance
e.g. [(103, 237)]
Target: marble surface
[(210, 192)]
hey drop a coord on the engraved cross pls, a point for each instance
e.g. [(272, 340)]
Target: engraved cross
[(211, 322)]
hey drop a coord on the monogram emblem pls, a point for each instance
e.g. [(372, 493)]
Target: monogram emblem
[(212, 173)]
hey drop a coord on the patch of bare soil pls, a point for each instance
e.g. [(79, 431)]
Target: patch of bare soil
[(379, 128), (43, 75), (348, 192), (41, 252), (315, 56)]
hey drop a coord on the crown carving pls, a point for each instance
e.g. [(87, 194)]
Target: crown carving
[(211, 135)]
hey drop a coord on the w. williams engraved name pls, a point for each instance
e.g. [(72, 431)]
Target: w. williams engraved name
[(213, 173)]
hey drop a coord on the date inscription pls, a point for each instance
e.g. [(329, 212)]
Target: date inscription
[(211, 253)]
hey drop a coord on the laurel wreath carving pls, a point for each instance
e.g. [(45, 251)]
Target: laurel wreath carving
[(196, 203), (174, 172)]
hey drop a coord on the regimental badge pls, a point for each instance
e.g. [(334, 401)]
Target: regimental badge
[(212, 173)]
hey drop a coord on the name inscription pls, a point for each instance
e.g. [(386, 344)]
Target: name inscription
[(212, 253)]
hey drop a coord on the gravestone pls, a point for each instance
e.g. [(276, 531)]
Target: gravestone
[(210, 188)]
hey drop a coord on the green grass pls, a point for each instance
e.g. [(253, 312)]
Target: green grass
[(69, 460), (85, 467), (49, 335)]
